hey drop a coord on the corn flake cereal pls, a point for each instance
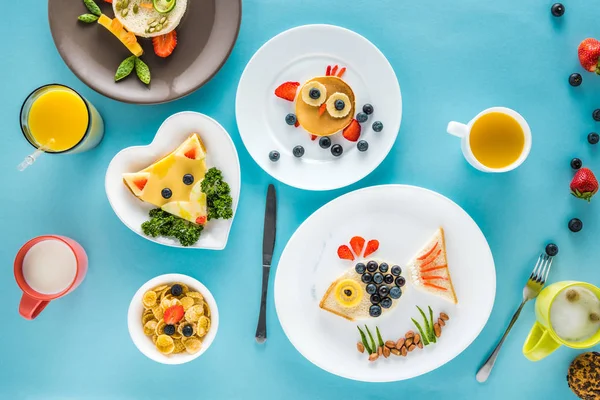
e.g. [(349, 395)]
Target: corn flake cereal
[(192, 345), (165, 344), (194, 313), (206, 309), (187, 302), (150, 327), (179, 347), (147, 316), (149, 299), (203, 326)]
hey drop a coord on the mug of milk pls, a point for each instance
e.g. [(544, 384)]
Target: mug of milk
[(568, 313), (46, 268)]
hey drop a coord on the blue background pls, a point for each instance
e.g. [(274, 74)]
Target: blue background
[(453, 59)]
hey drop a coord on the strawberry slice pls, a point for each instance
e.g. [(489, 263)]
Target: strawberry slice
[(328, 72), (165, 44), (357, 244), (322, 109), (313, 137), (201, 220), (345, 253), (334, 70), (372, 247), (352, 131), (173, 314), (140, 183), (296, 124), (191, 154), (342, 72), (108, 1), (287, 90)]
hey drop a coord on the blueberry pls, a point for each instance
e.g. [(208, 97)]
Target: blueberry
[(362, 117), (367, 278), (176, 290), (383, 290), (375, 311), (400, 281), (396, 270), (291, 119), (339, 105), (368, 109), (386, 302), (575, 79), (298, 151), (166, 193), (274, 156), (187, 331), (371, 288), (188, 179), (596, 114), (360, 268), (378, 278), (375, 298), (383, 267), (551, 249), (395, 292), (576, 163), (314, 93), (372, 266), (362, 145), (337, 150), (575, 225), (557, 9), (593, 138), (389, 279), (377, 126), (169, 330)]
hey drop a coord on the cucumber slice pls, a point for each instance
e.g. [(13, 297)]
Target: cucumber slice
[(164, 6)]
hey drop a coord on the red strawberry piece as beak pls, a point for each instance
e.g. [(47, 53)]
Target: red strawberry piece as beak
[(322, 109)]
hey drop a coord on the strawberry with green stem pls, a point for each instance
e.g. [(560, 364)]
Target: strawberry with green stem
[(584, 184)]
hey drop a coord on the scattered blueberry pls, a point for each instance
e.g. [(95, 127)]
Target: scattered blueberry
[(367, 278), (596, 114), (362, 145), (169, 330), (274, 156), (383, 267), (368, 109), (372, 266), (378, 278), (575, 79), (395, 292), (386, 302), (396, 270), (166, 193), (576, 163), (187, 331), (375, 298), (325, 142), (298, 151), (557, 9), (383, 290), (360, 268), (551, 249), (389, 279), (339, 105), (362, 117), (188, 179), (176, 290), (291, 119), (375, 311), (377, 126), (400, 281), (314, 93), (337, 150), (371, 288), (575, 225), (593, 138)]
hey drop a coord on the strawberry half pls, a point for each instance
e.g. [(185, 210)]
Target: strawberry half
[(589, 53), (584, 184), (173, 314), (165, 44), (352, 131), (287, 90), (201, 220), (357, 244), (372, 247), (345, 253)]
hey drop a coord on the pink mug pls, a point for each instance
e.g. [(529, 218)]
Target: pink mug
[(33, 302)]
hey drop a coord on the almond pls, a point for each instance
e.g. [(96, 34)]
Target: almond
[(417, 338), (373, 357), (390, 343), (379, 351), (444, 316), (441, 322), (404, 351), (409, 334), (386, 352), (395, 352), (420, 345), (437, 329), (400, 343), (412, 347), (360, 347), (408, 342)]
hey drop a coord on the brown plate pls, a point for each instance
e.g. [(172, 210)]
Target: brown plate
[(206, 36)]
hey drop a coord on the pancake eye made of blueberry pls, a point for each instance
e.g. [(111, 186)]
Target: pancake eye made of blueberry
[(314, 94)]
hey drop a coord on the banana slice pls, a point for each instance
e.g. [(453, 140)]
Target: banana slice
[(348, 293), (314, 93), (338, 105)]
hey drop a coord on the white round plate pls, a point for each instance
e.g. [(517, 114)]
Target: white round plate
[(300, 54), (220, 153), (403, 219)]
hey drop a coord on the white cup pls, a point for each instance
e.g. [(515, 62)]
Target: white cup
[(464, 131)]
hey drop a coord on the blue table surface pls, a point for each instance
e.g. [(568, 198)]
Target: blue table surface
[(453, 59)]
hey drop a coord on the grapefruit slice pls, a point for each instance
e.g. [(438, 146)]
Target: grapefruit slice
[(429, 269), (128, 39), (192, 148), (136, 181)]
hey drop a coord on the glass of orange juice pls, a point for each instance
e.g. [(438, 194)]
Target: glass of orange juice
[(57, 119)]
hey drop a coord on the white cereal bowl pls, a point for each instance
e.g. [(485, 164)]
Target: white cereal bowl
[(144, 343), (220, 153)]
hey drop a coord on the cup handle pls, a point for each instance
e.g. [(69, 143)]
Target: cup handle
[(457, 129), (539, 343), (29, 308)]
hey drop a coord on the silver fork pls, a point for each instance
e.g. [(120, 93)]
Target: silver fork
[(534, 285)]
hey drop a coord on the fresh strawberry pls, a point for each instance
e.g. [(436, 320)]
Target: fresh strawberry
[(334, 70), (357, 244), (342, 72), (372, 247), (589, 52), (584, 184), (287, 90), (345, 253), (328, 71), (201, 220), (173, 314), (352, 131), (165, 44)]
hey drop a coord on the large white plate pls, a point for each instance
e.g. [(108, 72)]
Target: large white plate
[(220, 153), (298, 55), (402, 218)]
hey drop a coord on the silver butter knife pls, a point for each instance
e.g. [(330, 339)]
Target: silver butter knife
[(268, 246)]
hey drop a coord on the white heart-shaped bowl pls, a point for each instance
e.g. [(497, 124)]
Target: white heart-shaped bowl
[(220, 153), (144, 343)]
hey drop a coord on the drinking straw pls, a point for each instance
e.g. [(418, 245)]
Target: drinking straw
[(30, 159)]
